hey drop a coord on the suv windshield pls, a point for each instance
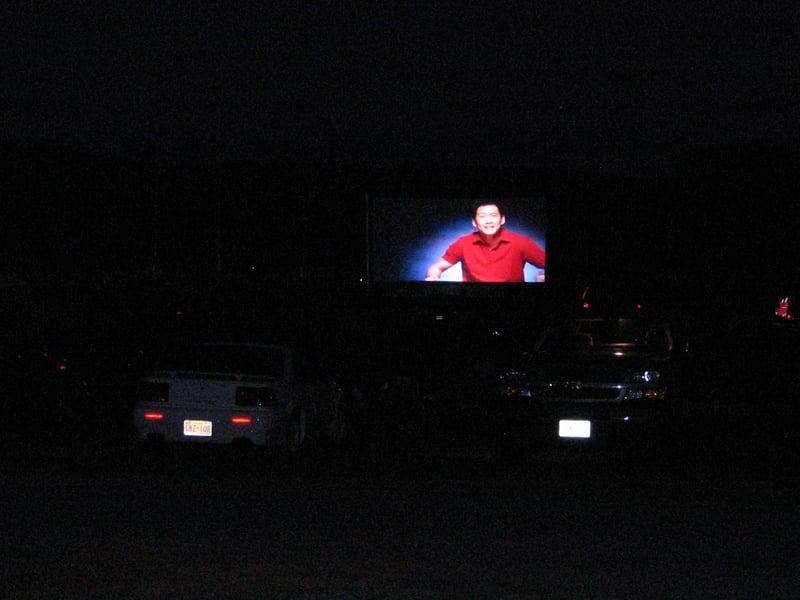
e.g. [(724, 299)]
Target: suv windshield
[(586, 334)]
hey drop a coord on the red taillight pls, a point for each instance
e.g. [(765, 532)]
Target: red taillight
[(151, 416), (241, 420)]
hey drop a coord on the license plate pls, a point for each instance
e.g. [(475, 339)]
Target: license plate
[(568, 428), (197, 428)]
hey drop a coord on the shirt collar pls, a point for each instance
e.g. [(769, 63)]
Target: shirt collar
[(479, 240)]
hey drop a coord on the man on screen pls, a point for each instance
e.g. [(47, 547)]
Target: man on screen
[(490, 254)]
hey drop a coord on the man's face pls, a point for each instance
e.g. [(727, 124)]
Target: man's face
[(488, 219)]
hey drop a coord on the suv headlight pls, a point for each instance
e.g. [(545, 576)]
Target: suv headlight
[(513, 375), (513, 383), (646, 376), (515, 391)]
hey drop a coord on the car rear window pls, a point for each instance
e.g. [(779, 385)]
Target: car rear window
[(224, 358)]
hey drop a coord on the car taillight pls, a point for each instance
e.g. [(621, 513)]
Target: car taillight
[(255, 396), (241, 420), (152, 416)]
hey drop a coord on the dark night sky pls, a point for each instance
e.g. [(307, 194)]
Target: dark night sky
[(702, 96), (575, 83)]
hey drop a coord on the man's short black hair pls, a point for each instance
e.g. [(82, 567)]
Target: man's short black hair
[(478, 203)]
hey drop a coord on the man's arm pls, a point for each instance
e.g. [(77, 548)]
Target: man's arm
[(534, 254), (436, 269)]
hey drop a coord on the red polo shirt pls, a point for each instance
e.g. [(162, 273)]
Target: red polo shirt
[(504, 263)]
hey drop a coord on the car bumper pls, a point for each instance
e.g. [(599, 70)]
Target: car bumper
[(261, 430), (523, 421)]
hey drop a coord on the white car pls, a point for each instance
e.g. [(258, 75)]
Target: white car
[(225, 393)]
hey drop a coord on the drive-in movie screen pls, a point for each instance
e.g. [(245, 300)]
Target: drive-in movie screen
[(483, 240)]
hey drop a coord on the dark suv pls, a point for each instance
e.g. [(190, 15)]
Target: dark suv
[(593, 379)]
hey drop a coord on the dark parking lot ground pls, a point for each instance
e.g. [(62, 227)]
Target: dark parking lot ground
[(437, 511), (443, 517)]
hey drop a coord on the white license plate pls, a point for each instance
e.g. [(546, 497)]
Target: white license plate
[(568, 428), (197, 428)]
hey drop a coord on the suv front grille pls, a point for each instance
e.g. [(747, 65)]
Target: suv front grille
[(574, 391)]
